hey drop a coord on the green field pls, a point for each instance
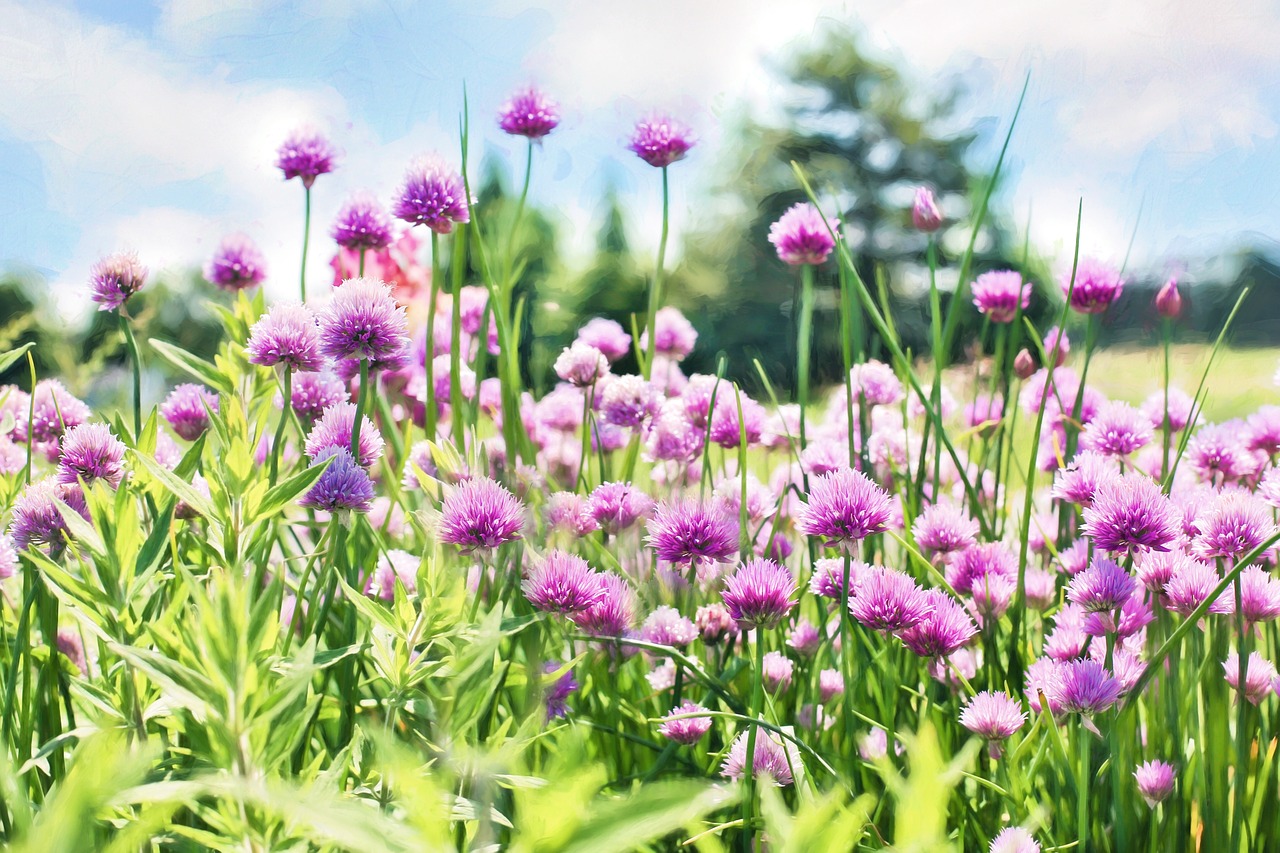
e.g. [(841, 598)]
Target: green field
[(1240, 381)]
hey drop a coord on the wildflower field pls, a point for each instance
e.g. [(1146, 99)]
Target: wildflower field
[(352, 586)]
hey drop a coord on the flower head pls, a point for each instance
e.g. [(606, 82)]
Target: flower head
[(334, 430), (665, 626), (37, 520), (313, 392), (661, 141), (830, 684), (433, 195), (287, 335), (714, 623), (581, 364), (945, 629), (529, 113), (676, 336), (1085, 687), (394, 565), (1078, 482), (363, 224), (1103, 587), (1014, 839), (1131, 513), (1190, 583), (560, 691), (343, 486), (617, 506), (777, 672), (1234, 524), (115, 278), (562, 583), (1155, 781), (1117, 429), (236, 265), (1169, 300), (685, 729), (1259, 678), (998, 295), (889, 601), (362, 321), (993, 716), (759, 593), (844, 506), (1259, 595), (187, 409), (803, 235), (607, 336), (480, 514), (613, 613), (91, 452), (774, 759), (1096, 287), (944, 528), (686, 531), (305, 154)]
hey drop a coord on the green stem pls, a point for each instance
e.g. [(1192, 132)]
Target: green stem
[(749, 768), (306, 241), (455, 343), (431, 337), (361, 396), (803, 345), (132, 345), (1082, 791), (284, 418), (655, 288)]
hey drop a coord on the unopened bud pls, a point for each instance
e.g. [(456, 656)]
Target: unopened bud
[(1024, 365), (1169, 300), (925, 215)]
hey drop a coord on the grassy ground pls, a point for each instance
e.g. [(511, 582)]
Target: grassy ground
[(1240, 381)]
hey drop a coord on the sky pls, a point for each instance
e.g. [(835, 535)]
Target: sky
[(152, 125)]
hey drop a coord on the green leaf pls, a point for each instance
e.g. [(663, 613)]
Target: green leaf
[(181, 489), (656, 810), (284, 494), (194, 365), (11, 357)]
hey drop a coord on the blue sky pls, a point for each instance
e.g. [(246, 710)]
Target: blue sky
[(152, 125)]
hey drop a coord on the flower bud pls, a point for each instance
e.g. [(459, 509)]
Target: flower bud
[(1169, 300), (925, 215), (1023, 364)]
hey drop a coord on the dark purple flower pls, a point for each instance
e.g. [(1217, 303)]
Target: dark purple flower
[(480, 514), (432, 195), (613, 613), (759, 593), (1103, 587), (560, 691), (115, 278), (313, 392), (90, 452), (687, 531), (1085, 687), (363, 321), (562, 583), (774, 759), (363, 224), (1096, 287), (1155, 781), (803, 235), (685, 729), (236, 265), (187, 409), (288, 335), (998, 294), (661, 141), (344, 486), (529, 113), (889, 601), (844, 506), (945, 629), (305, 154), (36, 518)]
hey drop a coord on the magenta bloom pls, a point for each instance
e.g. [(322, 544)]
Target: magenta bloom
[(1169, 300), (433, 195), (581, 365), (334, 430), (287, 335), (607, 336), (187, 409), (1234, 524), (1191, 583), (688, 730), (1131, 513), (665, 626), (944, 528), (37, 520), (714, 623), (844, 506), (613, 613), (236, 265), (1178, 411), (830, 684), (1014, 839), (363, 321), (1259, 595), (305, 154), (998, 294), (530, 114), (676, 336), (1085, 687), (90, 452), (617, 506), (1096, 287), (629, 401), (8, 557), (562, 583), (1259, 677), (993, 716), (889, 601), (1103, 587), (480, 515), (777, 672), (363, 224), (1078, 482), (661, 141), (803, 236), (343, 487), (394, 565), (1117, 429), (115, 278), (313, 392), (925, 215), (686, 531), (759, 593), (967, 570), (875, 383), (774, 759), (1155, 781), (56, 410), (944, 630)]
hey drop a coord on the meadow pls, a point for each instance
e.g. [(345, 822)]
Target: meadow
[(351, 586)]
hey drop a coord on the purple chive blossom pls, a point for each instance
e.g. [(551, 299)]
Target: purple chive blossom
[(613, 613), (1259, 595), (1155, 781), (944, 528), (36, 519), (688, 730), (8, 557), (1085, 687), (1191, 583), (803, 235), (287, 335), (1101, 588), (830, 684), (1234, 524), (433, 195), (726, 425), (804, 637), (889, 601), (1014, 839), (90, 452), (1269, 488), (529, 113), (1259, 676), (562, 583), (714, 623), (777, 672), (661, 141), (1078, 482), (772, 760), (607, 336), (629, 401), (581, 365), (875, 383), (362, 224), (1218, 454), (617, 506), (559, 692), (363, 321), (1156, 568), (1168, 300), (343, 487), (945, 629), (334, 430), (394, 565), (1096, 287), (967, 569), (759, 593), (1135, 614), (688, 532), (568, 512), (313, 392), (1264, 430), (1118, 429), (236, 265), (997, 295), (1131, 513), (305, 154), (666, 627), (992, 716), (1178, 412), (115, 278), (925, 215), (187, 410), (55, 410), (480, 514), (843, 507), (676, 336)]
